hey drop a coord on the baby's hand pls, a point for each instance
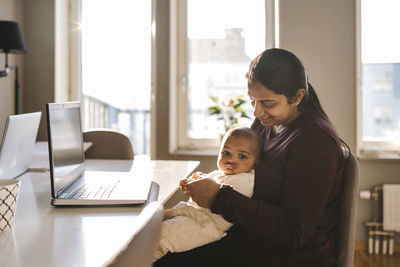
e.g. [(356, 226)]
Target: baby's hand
[(194, 177), (183, 181), (197, 175), (183, 187)]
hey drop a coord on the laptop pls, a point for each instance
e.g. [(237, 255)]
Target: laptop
[(70, 183), (17, 145)]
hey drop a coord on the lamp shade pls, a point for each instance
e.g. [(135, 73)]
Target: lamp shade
[(11, 40)]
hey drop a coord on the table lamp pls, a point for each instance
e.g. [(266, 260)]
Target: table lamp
[(11, 41)]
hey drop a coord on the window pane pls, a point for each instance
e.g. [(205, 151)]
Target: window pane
[(380, 55), (116, 46), (223, 37)]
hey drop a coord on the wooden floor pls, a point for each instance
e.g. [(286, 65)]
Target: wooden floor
[(363, 259)]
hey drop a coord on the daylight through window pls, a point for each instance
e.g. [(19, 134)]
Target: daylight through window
[(380, 70), (218, 47)]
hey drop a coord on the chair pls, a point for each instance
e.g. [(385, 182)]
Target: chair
[(107, 144), (139, 249), (346, 224)]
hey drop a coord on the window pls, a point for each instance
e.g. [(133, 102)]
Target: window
[(116, 72), (210, 54), (383, 80), (379, 74)]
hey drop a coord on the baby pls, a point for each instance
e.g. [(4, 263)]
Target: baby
[(187, 225)]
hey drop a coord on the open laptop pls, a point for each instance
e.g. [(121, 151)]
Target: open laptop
[(71, 184), (17, 145)]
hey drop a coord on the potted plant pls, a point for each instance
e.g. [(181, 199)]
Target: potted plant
[(229, 112)]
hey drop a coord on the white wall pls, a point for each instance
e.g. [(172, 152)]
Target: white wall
[(10, 10), (322, 34), (37, 78)]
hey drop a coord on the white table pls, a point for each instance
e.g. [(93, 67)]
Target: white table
[(82, 236)]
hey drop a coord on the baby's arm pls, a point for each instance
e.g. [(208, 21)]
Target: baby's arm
[(195, 176)]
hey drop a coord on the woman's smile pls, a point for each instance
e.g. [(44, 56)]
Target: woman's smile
[(272, 108), (266, 120)]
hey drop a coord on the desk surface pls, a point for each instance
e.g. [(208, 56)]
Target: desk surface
[(82, 236)]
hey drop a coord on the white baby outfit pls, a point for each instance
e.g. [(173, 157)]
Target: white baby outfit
[(192, 226)]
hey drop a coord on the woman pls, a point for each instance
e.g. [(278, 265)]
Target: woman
[(290, 219)]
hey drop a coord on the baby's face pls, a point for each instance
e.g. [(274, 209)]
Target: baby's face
[(237, 155)]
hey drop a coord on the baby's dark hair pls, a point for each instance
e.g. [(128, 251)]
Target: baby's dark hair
[(248, 134)]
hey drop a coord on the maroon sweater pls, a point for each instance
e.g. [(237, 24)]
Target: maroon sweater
[(290, 218)]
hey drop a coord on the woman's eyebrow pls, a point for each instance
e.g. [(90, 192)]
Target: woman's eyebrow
[(268, 100), (262, 100)]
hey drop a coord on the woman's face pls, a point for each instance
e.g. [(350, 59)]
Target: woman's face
[(271, 108)]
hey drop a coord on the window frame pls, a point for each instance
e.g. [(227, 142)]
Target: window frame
[(75, 50), (179, 141), (367, 149)]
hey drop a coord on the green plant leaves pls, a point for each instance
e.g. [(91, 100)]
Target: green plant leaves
[(229, 111)]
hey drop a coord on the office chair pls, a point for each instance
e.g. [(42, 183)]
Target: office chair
[(346, 224), (139, 249), (107, 144)]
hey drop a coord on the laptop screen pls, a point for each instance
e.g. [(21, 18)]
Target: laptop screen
[(65, 144)]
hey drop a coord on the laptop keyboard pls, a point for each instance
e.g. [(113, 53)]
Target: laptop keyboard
[(94, 191)]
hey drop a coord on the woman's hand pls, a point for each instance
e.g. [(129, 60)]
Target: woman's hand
[(202, 191)]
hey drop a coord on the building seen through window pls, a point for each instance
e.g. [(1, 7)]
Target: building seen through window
[(380, 71), (220, 46), (381, 100), (217, 68)]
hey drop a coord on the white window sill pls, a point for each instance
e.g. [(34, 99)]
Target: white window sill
[(379, 155), (367, 156), (188, 152)]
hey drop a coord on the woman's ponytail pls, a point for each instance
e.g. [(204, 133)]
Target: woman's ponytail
[(311, 103)]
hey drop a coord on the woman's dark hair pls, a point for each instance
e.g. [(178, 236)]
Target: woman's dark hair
[(283, 73)]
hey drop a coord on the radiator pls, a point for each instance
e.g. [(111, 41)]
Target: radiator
[(391, 207)]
